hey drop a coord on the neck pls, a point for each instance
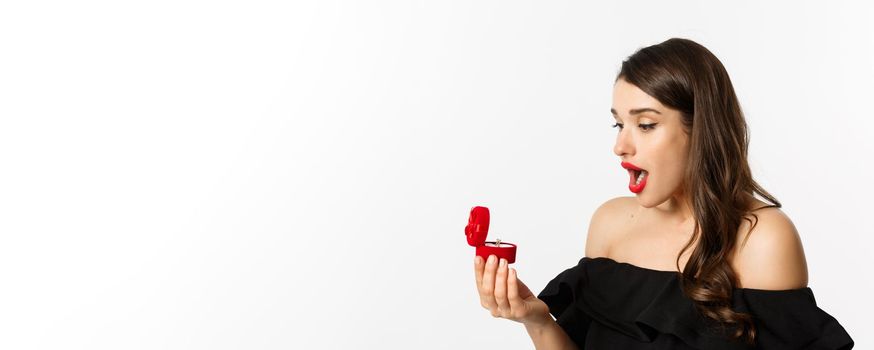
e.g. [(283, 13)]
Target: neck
[(678, 208)]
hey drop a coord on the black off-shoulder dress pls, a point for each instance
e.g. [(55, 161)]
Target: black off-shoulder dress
[(604, 304)]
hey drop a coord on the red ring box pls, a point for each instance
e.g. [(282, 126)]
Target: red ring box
[(476, 231)]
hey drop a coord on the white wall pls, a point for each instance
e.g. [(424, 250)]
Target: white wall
[(275, 175)]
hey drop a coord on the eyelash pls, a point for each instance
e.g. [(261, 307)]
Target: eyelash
[(645, 127)]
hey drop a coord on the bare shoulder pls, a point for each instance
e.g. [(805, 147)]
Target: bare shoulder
[(602, 224), (771, 255)]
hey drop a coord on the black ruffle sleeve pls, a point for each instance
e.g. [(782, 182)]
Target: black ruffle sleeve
[(601, 303)]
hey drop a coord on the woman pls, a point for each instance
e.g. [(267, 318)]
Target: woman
[(693, 260)]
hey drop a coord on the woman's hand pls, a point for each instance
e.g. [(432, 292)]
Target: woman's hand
[(502, 293)]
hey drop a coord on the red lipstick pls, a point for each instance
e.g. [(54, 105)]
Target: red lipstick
[(633, 172)]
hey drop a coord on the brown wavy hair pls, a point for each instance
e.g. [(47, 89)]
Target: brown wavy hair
[(686, 76)]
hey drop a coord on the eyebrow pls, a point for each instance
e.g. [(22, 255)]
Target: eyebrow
[(637, 111)]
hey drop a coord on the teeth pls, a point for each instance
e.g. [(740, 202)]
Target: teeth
[(640, 177)]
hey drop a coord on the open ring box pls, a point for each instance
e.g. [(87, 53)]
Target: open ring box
[(476, 231)]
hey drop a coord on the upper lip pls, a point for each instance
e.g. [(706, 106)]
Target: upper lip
[(628, 165)]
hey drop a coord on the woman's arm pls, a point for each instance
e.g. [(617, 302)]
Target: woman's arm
[(549, 335)]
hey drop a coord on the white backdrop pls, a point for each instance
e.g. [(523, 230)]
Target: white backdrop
[(275, 175)]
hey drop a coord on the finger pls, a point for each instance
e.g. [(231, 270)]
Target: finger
[(478, 270), (513, 291), (487, 289), (478, 267), (501, 288)]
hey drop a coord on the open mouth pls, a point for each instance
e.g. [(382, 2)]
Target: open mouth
[(637, 176)]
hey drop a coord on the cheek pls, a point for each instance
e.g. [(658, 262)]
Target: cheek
[(675, 163), (671, 159)]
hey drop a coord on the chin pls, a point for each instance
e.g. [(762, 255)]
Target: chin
[(648, 201)]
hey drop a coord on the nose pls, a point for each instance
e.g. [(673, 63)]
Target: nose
[(624, 144)]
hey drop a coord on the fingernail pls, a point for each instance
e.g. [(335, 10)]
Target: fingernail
[(476, 259), (491, 259), (503, 262)]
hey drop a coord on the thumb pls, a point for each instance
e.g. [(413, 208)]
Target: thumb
[(524, 291)]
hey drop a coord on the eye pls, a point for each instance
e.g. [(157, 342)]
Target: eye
[(649, 126)]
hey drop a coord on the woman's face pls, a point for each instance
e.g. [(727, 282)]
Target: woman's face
[(661, 150)]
